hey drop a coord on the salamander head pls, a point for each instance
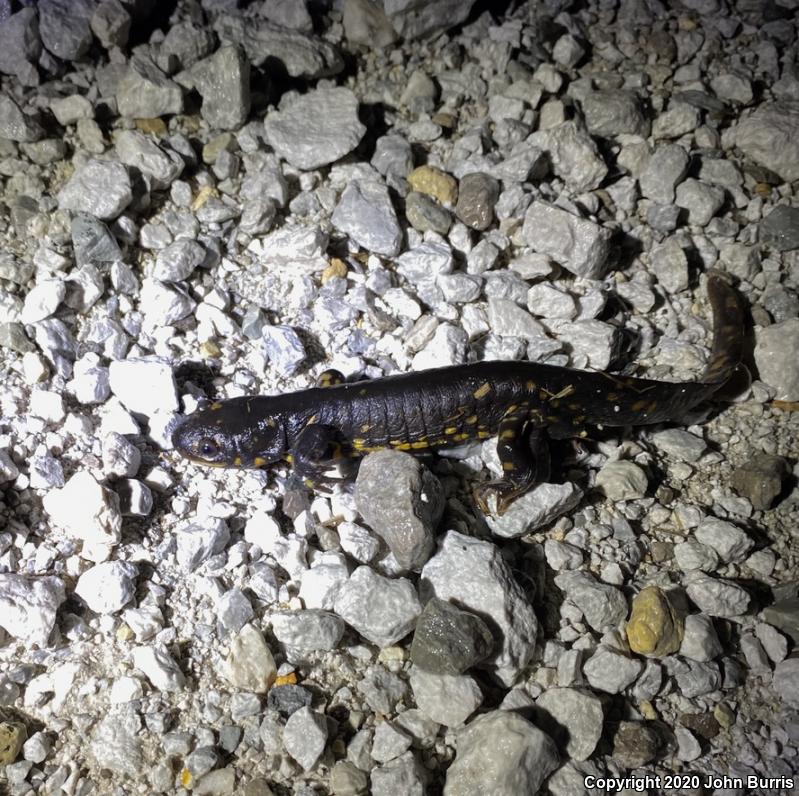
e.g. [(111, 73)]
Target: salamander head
[(225, 434)]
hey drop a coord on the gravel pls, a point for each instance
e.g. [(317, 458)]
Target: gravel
[(232, 198)]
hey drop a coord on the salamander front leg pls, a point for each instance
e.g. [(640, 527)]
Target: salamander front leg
[(524, 456), (315, 451)]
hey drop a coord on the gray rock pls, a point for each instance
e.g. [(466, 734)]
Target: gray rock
[(223, 81), (367, 24), (670, 265), (16, 125), (770, 137), (416, 20), (366, 214), (382, 610), (307, 630), (127, 377), (786, 681), (664, 170), (110, 23), (139, 151), (448, 640), (425, 214), (543, 504), (572, 718), (573, 154), (233, 610), (404, 774), (92, 241), (57, 344), (775, 357), (780, 228), (472, 574), (283, 349), (691, 555), (20, 43), (613, 112), (403, 502), (393, 156), (382, 690), (197, 542), (520, 764), (729, 541), (680, 444), (622, 480), (389, 742), (477, 196), (447, 699), (700, 641), (718, 597), (107, 587), (303, 56), (697, 678), (316, 129), (100, 188), (188, 43), (603, 606), (146, 92), (288, 699), (160, 668), (784, 614), (28, 606), (114, 744), (305, 736), (64, 27), (702, 201), (611, 671), (678, 120), (250, 665), (178, 260), (579, 245)]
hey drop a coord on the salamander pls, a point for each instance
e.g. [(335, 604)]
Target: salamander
[(523, 404)]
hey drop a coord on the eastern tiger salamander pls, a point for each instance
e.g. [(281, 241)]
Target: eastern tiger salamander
[(522, 403)]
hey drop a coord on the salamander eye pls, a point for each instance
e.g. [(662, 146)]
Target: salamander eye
[(208, 449)]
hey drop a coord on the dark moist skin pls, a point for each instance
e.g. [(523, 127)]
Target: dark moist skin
[(522, 403)]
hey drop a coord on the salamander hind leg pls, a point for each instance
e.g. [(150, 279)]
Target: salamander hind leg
[(330, 378), (524, 455)]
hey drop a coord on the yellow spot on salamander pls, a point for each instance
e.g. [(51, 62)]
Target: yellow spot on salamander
[(612, 397), (508, 466), (365, 427), (213, 407), (483, 433), (450, 429), (638, 405), (400, 445), (419, 444), (237, 461), (530, 385), (507, 434), (482, 390), (460, 437), (358, 443), (471, 420), (289, 458), (259, 461)]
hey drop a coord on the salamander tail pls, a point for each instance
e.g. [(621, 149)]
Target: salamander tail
[(728, 329)]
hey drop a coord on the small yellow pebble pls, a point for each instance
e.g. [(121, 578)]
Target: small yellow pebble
[(186, 779), (654, 628), (155, 126), (125, 632), (648, 710), (337, 268), (286, 679), (724, 715), (203, 195), (435, 183), (210, 349)]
